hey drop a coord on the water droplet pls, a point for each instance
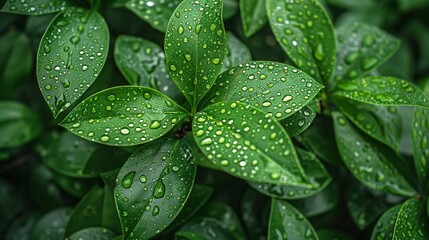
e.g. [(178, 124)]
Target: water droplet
[(46, 48), (368, 63), (275, 176), (48, 67), (155, 125), (318, 54), (111, 97), (75, 40), (125, 131), (159, 189), (84, 67), (173, 68), (206, 141), (127, 181), (180, 30), (198, 28), (48, 87), (188, 57), (287, 98), (143, 178), (341, 121), (155, 211), (105, 138), (216, 60), (147, 96)]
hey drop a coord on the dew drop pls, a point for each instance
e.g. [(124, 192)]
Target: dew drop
[(155, 211), (318, 54), (216, 61), (155, 125), (143, 178), (159, 189), (111, 97), (75, 40), (206, 141), (147, 96), (127, 181), (180, 30), (105, 138), (287, 98), (125, 131)]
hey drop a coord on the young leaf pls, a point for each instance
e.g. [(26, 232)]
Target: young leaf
[(45, 229), (412, 221), (275, 88), (253, 16), (93, 233), (288, 223), (299, 121), (35, 7), (383, 123), (305, 32), (195, 47), (362, 48), (71, 54), (381, 90), (420, 136), (236, 52), (18, 124), (367, 160), (315, 171), (386, 224), (152, 187), (155, 12), (247, 143), (124, 116)]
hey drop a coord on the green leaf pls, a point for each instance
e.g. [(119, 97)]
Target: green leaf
[(155, 12), (195, 47), (314, 170), (76, 157), (95, 233), (275, 88), (255, 209), (383, 123), (229, 9), (11, 205), (71, 54), (200, 158), (384, 228), (18, 124), (35, 7), (203, 229), (236, 52), (96, 209), (253, 16), (362, 48), (352, 4), (299, 121), (406, 5), (288, 223), (124, 116), (381, 90), (77, 187), (305, 32), (412, 221), (420, 136), (368, 161), (229, 134), (153, 186), (21, 227), (51, 226)]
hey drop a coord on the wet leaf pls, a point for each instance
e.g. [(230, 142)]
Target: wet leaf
[(123, 116), (77, 187), (362, 48), (154, 12), (195, 47), (230, 8), (253, 16), (305, 32), (369, 161), (288, 223), (198, 154), (275, 88), (299, 121), (381, 90), (153, 186), (18, 124), (383, 123), (420, 136), (247, 143), (236, 52), (70, 57), (95, 233), (255, 209), (51, 226), (314, 170), (203, 229), (96, 209), (35, 7), (412, 221), (385, 226)]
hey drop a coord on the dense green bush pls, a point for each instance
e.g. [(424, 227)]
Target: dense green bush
[(214, 119)]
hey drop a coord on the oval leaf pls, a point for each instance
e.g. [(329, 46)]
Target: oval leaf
[(124, 116), (305, 32), (385, 226), (381, 91), (362, 48), (35, 7), (288, 223), (420, 137), (412, 221), (367, 160), (71, 54), (299, 121), (229, 134), (52, 225), (195, 46), (152, 187), (253, 16), (275, 88)]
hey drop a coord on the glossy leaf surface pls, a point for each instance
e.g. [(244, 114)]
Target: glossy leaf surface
[(275, 88), (71, 55), (315, 171), (288, 223), (319, 203), (153, 186), (299, 121), (367, 160), (35, 7), (18, 124), (195, 46), (236, 52), (420, 136), (362, 48), (127, 115), (229, 134), (44, 229), (305, 32), (385, 226), (253, 16), (412, 221), (155, 12), (380, 122), (97, 233), (381, 91)]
